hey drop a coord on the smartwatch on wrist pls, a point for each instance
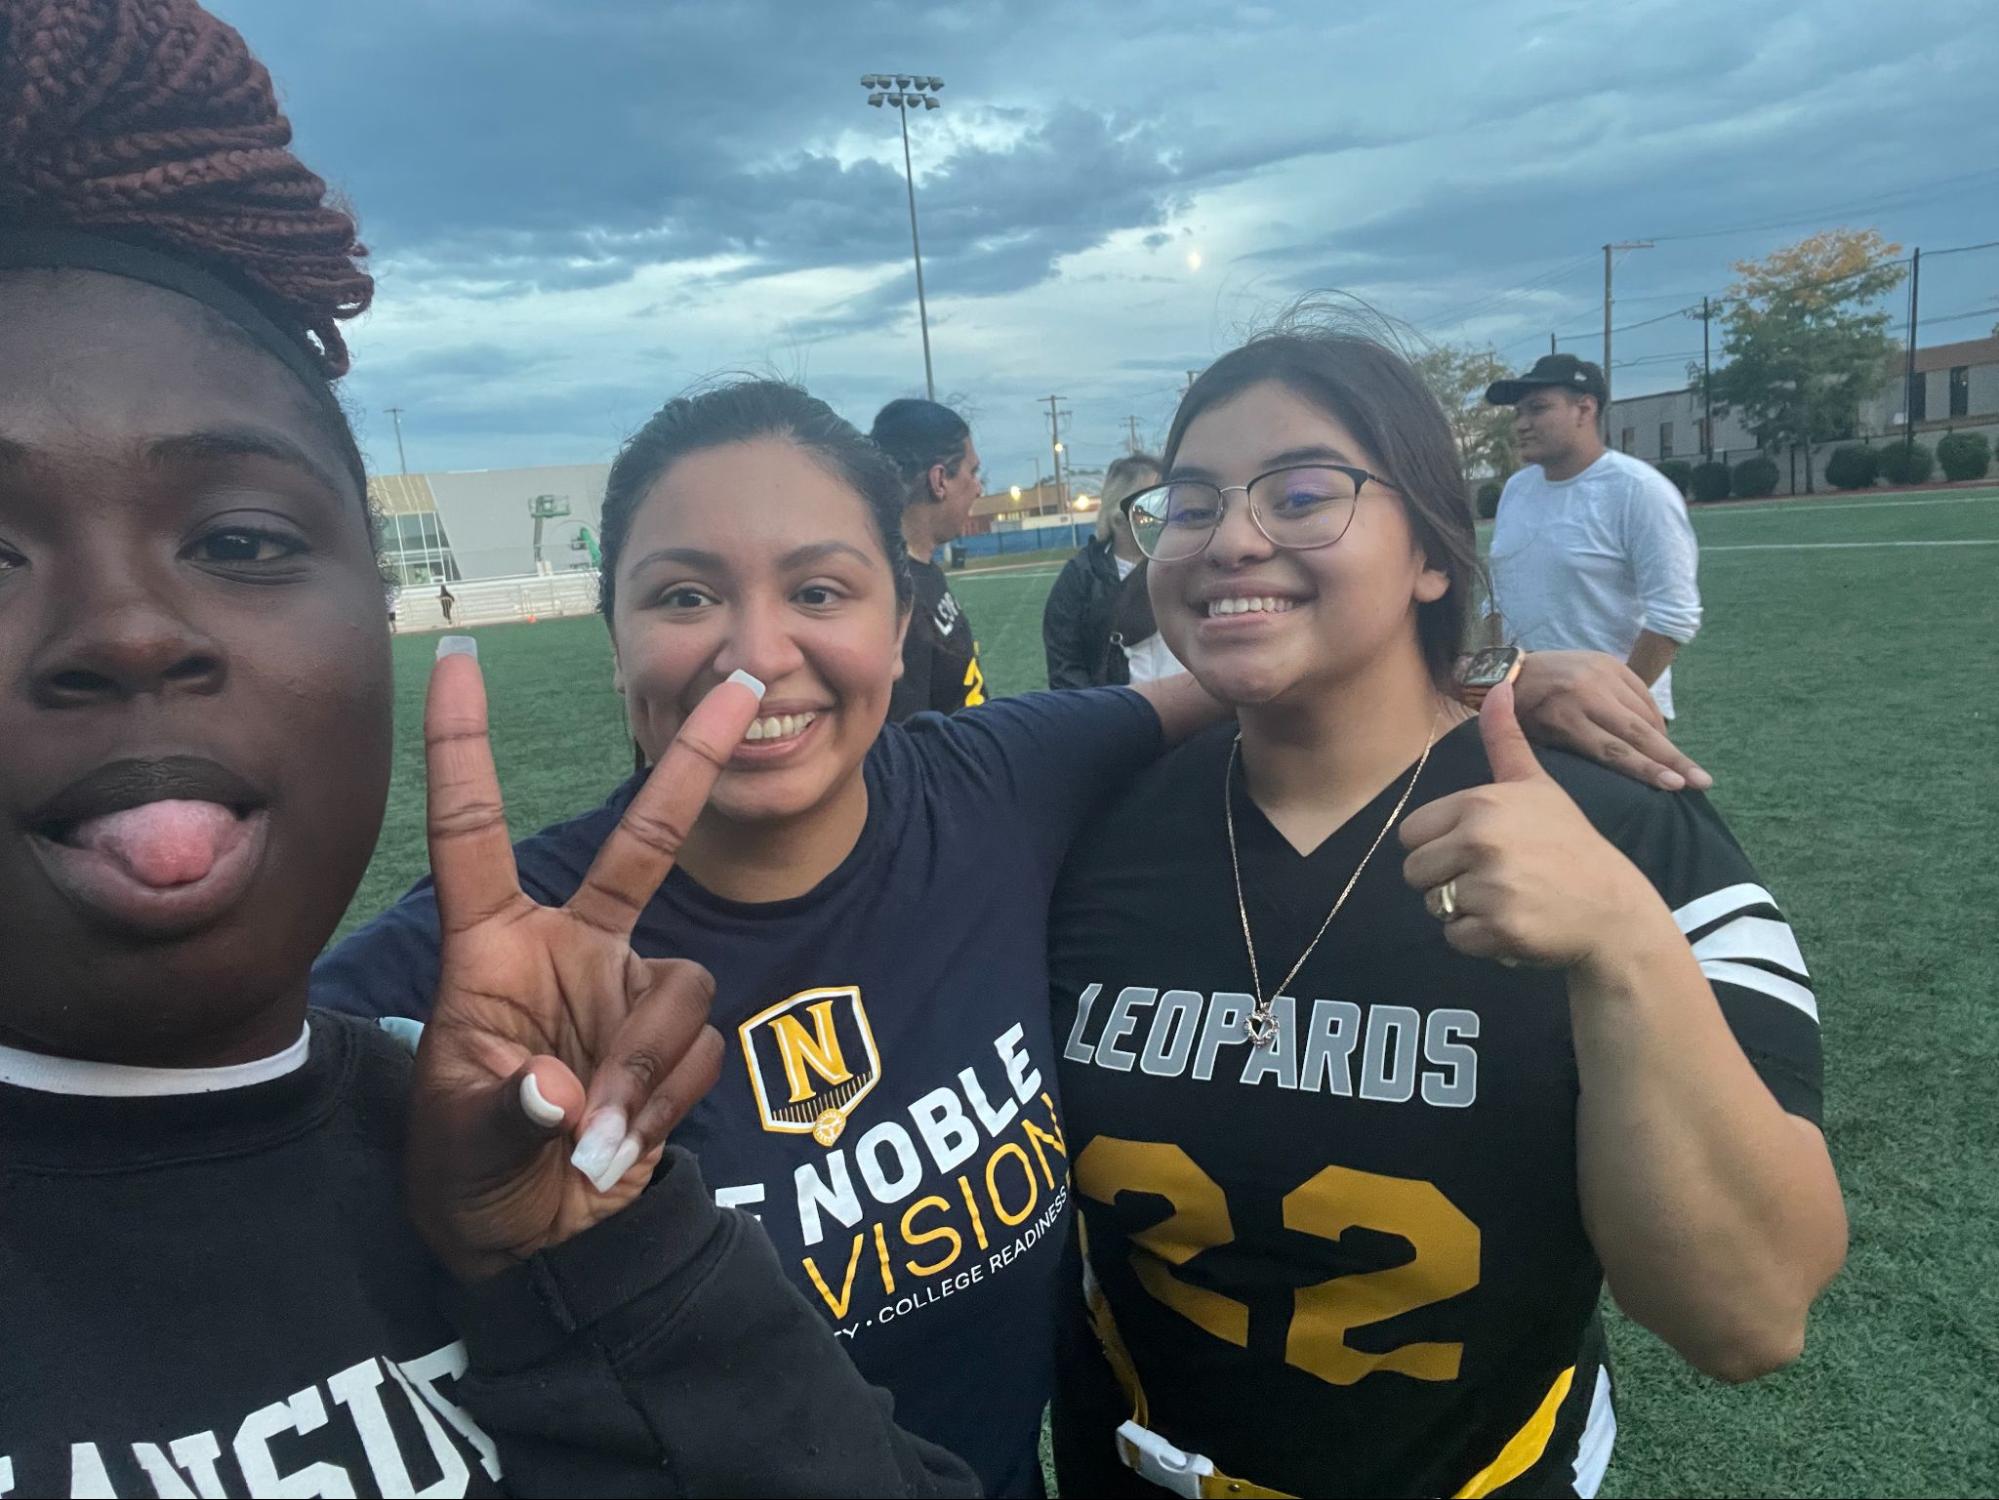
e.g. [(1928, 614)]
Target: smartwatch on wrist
[(1482, 671)]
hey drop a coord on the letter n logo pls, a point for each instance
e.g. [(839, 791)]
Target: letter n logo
[(811, 1058)]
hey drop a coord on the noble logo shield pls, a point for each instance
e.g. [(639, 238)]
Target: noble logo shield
[(812, 1059)]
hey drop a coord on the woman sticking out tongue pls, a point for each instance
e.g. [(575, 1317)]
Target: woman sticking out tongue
[(245, 1249)]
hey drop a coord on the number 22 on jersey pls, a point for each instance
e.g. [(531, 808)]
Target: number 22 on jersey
[(1327, 1204)]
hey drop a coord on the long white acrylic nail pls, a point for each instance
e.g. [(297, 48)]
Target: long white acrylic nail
[(739, 675), (536, 1106), (457, 645), (599, 1143), (621, 1162)]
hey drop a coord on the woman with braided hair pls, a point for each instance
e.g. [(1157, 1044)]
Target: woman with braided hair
[(245, 1249)]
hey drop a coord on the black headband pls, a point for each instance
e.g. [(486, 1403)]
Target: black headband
[(72, 250)]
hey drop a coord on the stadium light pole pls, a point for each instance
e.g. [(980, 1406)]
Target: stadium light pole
[(903, 92)]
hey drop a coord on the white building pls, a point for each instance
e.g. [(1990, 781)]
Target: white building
[(480, 523), (1956, 388)]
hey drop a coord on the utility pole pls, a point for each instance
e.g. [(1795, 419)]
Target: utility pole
[(1055, 445), (1551, 344), (1132, 423), (397, 413), (1707, 385), (1608, 252), (1909, 376), (1192, 376)]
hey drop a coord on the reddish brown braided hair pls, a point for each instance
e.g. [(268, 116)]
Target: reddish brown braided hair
[(149, 120)]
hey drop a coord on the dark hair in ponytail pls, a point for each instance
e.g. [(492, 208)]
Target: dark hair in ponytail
[(1364, 382), (738, 413), (918, 435)]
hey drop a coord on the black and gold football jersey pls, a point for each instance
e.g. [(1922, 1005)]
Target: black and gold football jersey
[(940, 655), (1353, 1262)]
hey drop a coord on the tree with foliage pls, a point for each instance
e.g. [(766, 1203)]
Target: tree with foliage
[(1458, 376), (1803, 342)]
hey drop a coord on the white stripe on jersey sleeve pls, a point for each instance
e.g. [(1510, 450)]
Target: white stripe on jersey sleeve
[(1697, 913), (1749, 977), (1755, 938)]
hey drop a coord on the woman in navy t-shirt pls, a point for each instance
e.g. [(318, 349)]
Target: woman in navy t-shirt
[(871, 901)]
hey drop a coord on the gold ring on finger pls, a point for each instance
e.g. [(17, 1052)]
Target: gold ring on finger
[(1443, 901)]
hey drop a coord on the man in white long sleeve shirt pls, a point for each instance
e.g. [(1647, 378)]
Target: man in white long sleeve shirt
[(1592, 549)]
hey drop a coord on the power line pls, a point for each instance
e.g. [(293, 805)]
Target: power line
[(1721, 299), (1914, 192), (1534, 283), (1658, 359), (1666, 317), (1961, 249), (1959, 317)]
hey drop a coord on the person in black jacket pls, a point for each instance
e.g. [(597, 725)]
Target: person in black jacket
[(245, 1248), (1100, 590)]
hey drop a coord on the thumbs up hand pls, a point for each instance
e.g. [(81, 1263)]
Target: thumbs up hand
[(1514, 870)]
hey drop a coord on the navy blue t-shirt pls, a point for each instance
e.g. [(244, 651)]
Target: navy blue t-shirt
[(887, 1107)]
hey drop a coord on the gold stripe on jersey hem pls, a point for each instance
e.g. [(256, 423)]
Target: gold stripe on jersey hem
[(1526, 1447)]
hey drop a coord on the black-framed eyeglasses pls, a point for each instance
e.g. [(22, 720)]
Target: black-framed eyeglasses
[(1298, 507)]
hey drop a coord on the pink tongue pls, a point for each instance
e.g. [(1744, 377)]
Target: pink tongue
[(162, 844)]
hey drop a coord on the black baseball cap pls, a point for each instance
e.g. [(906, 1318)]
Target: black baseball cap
[(1551, 371)]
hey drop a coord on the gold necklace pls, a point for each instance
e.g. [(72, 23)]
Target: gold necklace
[(1261, 1027)]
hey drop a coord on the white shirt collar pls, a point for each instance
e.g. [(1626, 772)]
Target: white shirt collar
[(69, 1075)]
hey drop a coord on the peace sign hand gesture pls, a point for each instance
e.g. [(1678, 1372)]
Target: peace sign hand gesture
[(548, 1029)]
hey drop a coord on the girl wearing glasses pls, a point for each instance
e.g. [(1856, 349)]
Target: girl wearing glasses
[(1386, 1040)]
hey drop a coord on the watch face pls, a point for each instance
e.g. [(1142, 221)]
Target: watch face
[(1488, 668)]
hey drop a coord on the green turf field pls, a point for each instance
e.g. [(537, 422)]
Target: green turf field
[(1844, 694)]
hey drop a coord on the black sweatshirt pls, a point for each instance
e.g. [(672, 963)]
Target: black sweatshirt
[(213, 1294)]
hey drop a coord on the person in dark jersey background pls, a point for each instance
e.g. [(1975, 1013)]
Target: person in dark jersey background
[(931, 447), (1358, 1140), (245, 1250)]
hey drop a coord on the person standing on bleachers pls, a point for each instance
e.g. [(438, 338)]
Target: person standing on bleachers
[(445, 599)]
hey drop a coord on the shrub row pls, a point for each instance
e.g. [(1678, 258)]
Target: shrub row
[(1961, 455)]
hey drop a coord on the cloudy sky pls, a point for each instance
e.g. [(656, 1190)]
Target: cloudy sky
[(580, 207)]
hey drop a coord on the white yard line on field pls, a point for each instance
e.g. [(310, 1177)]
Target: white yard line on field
[(1832, 546), (1820, 507), (1019, 570)]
